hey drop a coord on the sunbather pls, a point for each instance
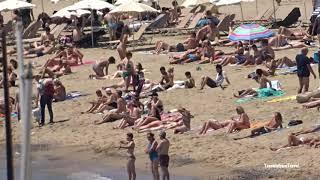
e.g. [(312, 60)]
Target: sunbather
[(166, 81), (266, 52), (47, 36), (60, 93), (281, 42), (191, 55), (238, 123), (96, 104), (12, 77), (295, 141), (116, 114), (273, 124), (285, 62), (262, 80), (294, 35), (99, 68), (129, 119), (38, 51), (251, 60), (110, 102), (206, 32), (221, 76)]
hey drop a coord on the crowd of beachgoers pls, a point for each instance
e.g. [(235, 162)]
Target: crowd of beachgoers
[(134, 101)]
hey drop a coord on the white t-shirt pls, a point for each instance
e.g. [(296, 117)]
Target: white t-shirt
[(220, 78)]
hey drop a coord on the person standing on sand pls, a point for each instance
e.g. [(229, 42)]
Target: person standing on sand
[(304, 70), (130, 145), (316, 28), (128, 71), (153, 155), (163, 151)]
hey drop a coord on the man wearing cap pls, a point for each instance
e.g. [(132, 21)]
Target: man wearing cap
[(163, 151)]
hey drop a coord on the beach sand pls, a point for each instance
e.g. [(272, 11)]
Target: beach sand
[(213, 156)]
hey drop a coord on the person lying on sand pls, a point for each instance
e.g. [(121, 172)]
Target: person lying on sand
[(262, 80), (235, 124), (96, 104), (295, 141), (38, 50), (293, 35), (102, 66), (115, 114), (189, 43), (189, 83), (189, 56), (313, 102), (221, 76), (129, 119), (266, 52), (239, 58), (273, 124), (281, 42), (58, 70)]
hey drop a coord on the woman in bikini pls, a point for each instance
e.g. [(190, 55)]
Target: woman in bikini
[(293, 140), (153, 155), (122, 47), (238, 123)]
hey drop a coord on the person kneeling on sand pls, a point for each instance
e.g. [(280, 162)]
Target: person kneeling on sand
[(235, 124), (60, 93), (115, 114), (272, 125), (100, 66)]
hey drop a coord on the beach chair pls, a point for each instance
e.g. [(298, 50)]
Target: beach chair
[(134, 39), (223, 25), (56, 32), (31, 30), (292, 20), (160, 22)]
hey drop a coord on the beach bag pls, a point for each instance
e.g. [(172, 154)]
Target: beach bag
[(294, 122), (180, 47), (36, 114)]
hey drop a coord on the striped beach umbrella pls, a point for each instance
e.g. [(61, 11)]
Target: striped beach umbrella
[(247, 32)]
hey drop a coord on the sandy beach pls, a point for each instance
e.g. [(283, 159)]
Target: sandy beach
[(212, 156)]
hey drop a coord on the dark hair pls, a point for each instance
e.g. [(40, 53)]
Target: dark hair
[(254, 46), (112, 60), (208, 13), (218, 66), (98, 91), (264, 42), (119, 93), (130, 135), (150, 134), (193, 34), (259, 72), (47, 29), (14, 63), (187, 73), (139, 65), (129, 53), (162, 68)]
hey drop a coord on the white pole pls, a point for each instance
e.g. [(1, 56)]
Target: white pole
[(25, 173), (274, 11), (92, 43), (257, 8), (241, 11), (42, 6), (305, 9)]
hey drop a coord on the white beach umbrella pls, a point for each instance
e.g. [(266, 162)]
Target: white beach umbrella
[(119, 2), (67, 14), (133, 7), (10, 5), (232, 2), (91, 4), (193, 3)]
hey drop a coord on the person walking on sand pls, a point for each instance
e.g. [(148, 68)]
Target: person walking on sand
[(163, 151), (304, 70), (130, 145), (153, 155)]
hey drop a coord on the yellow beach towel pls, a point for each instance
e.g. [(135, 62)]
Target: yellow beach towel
[(258, 124), (287, 98)]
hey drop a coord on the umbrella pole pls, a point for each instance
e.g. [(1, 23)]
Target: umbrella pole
[(42, 6), (305, 9), (8, 130), (274, 10), (257, 8), (241, 11), (92, 43)]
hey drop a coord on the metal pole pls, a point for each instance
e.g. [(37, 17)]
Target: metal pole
[(257, 8), (241, 11), (42, 6), (24, 170), (26, 120), (274, 11), (305, 9), (92, 43), (10, 170)]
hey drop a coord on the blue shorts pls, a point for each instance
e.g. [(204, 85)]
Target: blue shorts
[(192, 57)]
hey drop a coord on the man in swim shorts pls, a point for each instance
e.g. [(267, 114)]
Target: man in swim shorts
[(163, 150), (102, 65)]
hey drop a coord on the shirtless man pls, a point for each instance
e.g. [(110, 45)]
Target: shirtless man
[(129, 145), (100, 66), (163, 152), (206, 32), (110, 102), (300, 34), (116, 114), (38, 51), (166, 80), (189, 83)]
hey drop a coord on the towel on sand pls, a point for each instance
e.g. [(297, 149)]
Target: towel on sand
[(75, 94)]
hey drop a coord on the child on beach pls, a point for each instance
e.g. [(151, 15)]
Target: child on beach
[(130, 145)]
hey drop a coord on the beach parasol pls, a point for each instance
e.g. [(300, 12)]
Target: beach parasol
[(67, 14), (248, 32), (231, 2), (91, 4), (10, 5), (133, 7), (193, 3), (119, 2)]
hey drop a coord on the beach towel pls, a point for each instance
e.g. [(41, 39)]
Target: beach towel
[(288, 70), (177, 85), (287, 98), (75, 94), (3, 116), (263, 94), (258, 124), (275, 85)]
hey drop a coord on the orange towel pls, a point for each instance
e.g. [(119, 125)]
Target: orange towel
[(258, 124)]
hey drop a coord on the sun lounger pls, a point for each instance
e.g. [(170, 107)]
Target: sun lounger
[(56, 32), (224, 24), (292, 20), (8, 27), (160, 22), (31, 30), (136, 37)]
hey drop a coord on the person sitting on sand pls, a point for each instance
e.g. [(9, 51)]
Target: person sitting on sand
[(58, 70), (12, 77), (236, 123), (206, 32), (253, 58), (273, 124), (74, 56), (116, 114), (189, 83), (110, 103), (266, 52), (295, 141), (100, 66), (221, 76), (134, 113), (167, 80), (207, 53), (96, 104), (263, 84), (60, 93), (189, 43)]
